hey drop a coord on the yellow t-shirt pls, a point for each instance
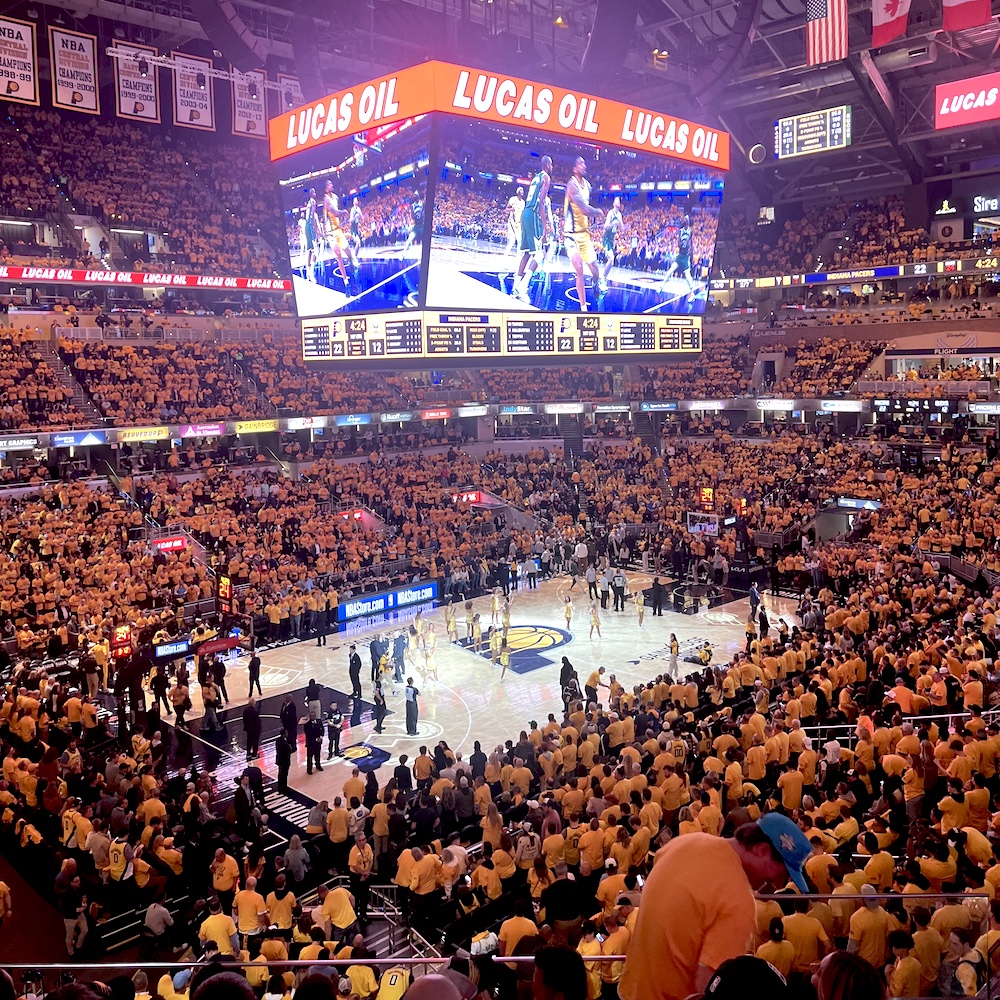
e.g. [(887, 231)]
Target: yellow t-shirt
[(697, 909), (219, 927)]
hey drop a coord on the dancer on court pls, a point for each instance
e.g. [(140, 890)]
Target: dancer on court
[(450, 625), (505, 615), (674, 650), (595, 620), (640, 605), (430, 652), (568, 610), (495, 605), (496, 639), (477, 634), (468, 619), (504, 658)]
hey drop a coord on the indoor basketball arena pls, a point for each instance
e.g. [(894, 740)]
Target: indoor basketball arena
[(498, 500)]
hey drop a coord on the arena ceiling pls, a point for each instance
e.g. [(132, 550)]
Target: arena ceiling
[(740, 63)]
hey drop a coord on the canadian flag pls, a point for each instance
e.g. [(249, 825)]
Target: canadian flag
[(889, 20), (962, 14)]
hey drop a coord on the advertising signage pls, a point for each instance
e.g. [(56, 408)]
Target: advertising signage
[(486, 97), (967, 102), (81, 276), (381, 603)]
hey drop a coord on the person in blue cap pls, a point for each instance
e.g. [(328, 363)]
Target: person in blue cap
[(697, 908)]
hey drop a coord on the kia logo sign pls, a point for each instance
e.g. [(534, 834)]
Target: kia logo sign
[(967, 102)]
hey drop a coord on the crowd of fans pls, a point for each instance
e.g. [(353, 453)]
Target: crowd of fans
[(159, 381), (889, 800), (134, 178), (870, 233), (31, 395)]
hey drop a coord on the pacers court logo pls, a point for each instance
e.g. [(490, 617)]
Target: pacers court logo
[(530, 646)]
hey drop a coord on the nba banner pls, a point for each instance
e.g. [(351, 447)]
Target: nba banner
[(249, 114), (137, 92), (194, 98), (290, 94), (74, 71), (18, 62)]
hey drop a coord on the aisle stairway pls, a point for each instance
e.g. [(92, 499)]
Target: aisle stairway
[(64, 375)]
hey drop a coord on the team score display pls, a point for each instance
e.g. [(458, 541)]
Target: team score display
[(404, 336)]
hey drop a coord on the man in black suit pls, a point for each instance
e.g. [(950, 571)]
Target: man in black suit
[(251, 726), (314, 743), (376, 653), (289, 716), (657, 595), (283, 748), (254, 671), (354, 669)]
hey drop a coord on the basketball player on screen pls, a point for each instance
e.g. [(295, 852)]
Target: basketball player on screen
[(577, 212), (682, 259), (311, 230), (355, 240), (417, 211), (611, 224), (515, 206), (535, 223), (336, 238)]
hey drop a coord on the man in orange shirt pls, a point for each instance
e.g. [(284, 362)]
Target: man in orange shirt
[(697, 908)]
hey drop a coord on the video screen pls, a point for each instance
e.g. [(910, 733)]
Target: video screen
[(523, 220), (354, 219)]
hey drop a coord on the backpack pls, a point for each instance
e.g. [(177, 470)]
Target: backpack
[(978, 965)]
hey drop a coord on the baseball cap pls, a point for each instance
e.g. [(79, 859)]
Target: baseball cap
[(746, 976), (791, 843), (344, 986)]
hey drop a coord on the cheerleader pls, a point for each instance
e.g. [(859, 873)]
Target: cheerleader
[(495, 641), (430, 649), (420, 625), (674, 650), (504, 658), (505, 617), (640, 605), (412, 647), (468, 619), (595, 620), (477, 634), (568, 611), (495, 606), (450, 625)]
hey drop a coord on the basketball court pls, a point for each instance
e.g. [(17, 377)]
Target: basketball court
[(468, 702)]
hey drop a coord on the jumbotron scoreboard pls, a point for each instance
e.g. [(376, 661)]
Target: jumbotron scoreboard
[(443, 214)]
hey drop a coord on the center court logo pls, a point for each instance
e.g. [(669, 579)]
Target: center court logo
[(529, 646), (365, 757)]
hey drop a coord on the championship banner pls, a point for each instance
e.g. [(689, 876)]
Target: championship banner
[(18, 62), (194, 97), (137, 92), (249, 112), (74, 71)]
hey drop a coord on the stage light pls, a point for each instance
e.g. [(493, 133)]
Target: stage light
[(143, 67), (289, 100), (252, 89), (200, 80), (560, 22)]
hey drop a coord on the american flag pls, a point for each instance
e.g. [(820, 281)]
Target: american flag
[(826, 31)]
